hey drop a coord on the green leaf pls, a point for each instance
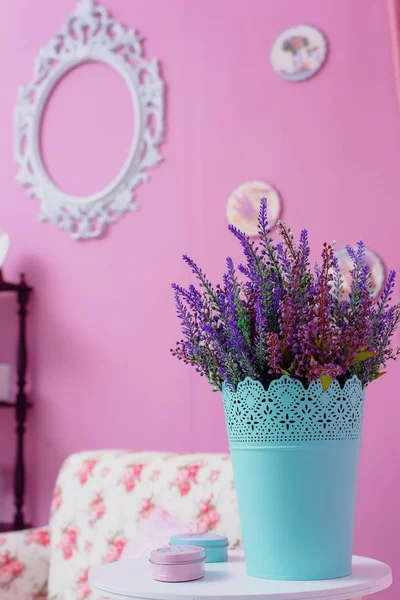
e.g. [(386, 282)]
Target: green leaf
[(377, 375), (284, 372), (362, 356), (326, 381)]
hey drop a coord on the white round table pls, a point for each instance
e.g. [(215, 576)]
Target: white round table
[(131, 578)]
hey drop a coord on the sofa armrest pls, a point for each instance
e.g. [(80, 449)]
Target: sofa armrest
[(24, 564)]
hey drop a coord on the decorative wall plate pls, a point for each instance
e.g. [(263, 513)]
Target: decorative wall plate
[(298, 52), (90, 35), (374, 263), (244, 205)]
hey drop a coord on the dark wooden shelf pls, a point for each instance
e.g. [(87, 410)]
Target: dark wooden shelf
[(21, 404), (9, 527), (8, 404), (8, 286)]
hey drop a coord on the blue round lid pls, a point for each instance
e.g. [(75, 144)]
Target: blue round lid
[(204, 540)]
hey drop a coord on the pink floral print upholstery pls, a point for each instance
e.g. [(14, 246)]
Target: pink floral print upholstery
[(24, 564), (100, 499)]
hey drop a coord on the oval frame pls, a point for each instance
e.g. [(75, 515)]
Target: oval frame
[(90, 35)]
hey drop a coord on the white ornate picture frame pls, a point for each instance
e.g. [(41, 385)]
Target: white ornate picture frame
[(90, 35)]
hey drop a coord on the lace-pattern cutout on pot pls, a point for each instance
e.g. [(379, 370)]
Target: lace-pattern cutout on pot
[(287, 412)]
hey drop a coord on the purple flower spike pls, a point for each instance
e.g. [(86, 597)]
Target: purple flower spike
[(279, 316)]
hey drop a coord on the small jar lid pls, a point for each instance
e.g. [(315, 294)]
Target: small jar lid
[(172, 555), (205, 540)]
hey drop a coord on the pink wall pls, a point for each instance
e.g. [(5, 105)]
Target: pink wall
[(102, 319)]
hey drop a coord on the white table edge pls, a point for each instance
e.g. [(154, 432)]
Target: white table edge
[(354, 591)]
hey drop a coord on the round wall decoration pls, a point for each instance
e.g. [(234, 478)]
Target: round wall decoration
[(374, 263), (90, 34), (298, 52), (244, 204)]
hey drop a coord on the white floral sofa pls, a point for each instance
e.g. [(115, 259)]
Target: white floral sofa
[(99, 500)]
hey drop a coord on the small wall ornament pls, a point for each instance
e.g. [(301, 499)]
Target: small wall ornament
[(90, 34), (374, 263), (298, 52), (243, 206)]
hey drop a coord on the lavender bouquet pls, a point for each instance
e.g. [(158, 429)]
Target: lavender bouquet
[(279, 316)]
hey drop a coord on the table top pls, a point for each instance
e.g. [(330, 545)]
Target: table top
[(131, 578)]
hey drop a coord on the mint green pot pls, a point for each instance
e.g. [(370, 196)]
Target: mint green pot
[(295, 458)]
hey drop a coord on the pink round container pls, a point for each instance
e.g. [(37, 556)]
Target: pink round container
[(177, 563)]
